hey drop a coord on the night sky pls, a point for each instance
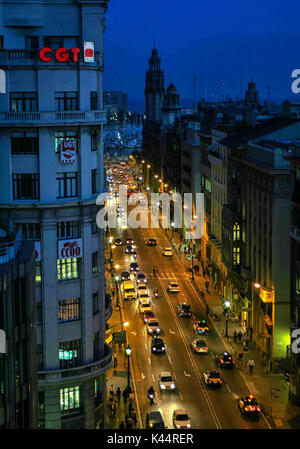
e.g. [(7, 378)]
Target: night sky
[(223, 42)]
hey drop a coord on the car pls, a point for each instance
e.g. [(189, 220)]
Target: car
[(200, 327), (151, 242), (143, 306), (181, 419), (158, 345), (129, 249), (212, 378), (154, 420), (134, 267), (148, 314), (248, 405), (125, 276), (142, 288), (129, 241), (141, 278), (224, 360), (199, 345), (184, 309), (144, 297), (173, 287), (167, 252), (153, 326), (118, 241), (166, 381)]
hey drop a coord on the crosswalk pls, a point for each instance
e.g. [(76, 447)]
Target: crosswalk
[(162, 275)]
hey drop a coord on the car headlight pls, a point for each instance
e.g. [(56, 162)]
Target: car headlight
[(178, 426), (158, 329), (154, 349), (163, 387), (163, 348), (172, 386), (188, 426), (150, 330)]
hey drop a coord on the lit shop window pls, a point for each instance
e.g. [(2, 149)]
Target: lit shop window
[(70, 400), (69, 354), (68, 269), (38, 271), (68, 310), (236, 256), (236, 232)]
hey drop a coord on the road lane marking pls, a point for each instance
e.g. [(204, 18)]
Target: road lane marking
[(133, 333), (169, 359), (171, 332), (149, 360), (187, 374), (228, 388), (143, 376), (153, 378), (180, 395), (146, 346)]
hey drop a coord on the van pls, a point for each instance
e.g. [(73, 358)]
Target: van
[(128, 290), (154, 420)]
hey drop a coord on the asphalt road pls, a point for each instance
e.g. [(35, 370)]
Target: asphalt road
[(208, 408)]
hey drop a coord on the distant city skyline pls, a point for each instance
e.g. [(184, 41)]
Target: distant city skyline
[(224, 44)]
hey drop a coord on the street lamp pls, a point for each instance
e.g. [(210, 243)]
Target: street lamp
[(227, 305), (117, 290), (172, 227), (128, 351)]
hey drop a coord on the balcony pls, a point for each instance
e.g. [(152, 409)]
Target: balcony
[(53, 118), (9, 249), (295, 233), (82, 372)]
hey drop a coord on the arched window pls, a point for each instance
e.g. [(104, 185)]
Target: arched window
[(236, 256), (236, 232)]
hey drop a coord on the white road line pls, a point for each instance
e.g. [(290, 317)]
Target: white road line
[(187, 374), (146, 346), (143, 376), (228, 388), (171, 332), (153, 378), (169, 359), (180, 395), (175, 377), (149, 360)]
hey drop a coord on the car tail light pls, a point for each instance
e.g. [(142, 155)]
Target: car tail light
[(209, 381), (246, 409), (258, 409), (233, 362), (221, 381), (221, 360), (181, 313), (206, 348)]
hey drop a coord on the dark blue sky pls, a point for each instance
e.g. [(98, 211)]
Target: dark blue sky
[(220, 41)]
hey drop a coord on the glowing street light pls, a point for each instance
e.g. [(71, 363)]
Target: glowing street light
[(257, 285)]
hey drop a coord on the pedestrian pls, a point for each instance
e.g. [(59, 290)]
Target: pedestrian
[(239, 335), (113, 293), (125, 395), (207, 310), (251, 365), (154, 271), (113, 409), (118, 394), (179, 248), (134, 418), (203, 273), (111, 390), (207, 285), (122, 425), (246, 340), (245, 347), (130, 408), (234, 336), (115, 359), (240, 356)]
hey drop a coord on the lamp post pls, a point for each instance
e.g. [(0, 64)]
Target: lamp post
[(128, 351), (172, 227), (148, 167), (117, 290), (227, 305)]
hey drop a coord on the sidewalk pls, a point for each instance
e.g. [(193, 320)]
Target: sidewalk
[(271, 389)]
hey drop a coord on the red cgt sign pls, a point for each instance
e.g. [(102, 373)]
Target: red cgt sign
[(62, 54)]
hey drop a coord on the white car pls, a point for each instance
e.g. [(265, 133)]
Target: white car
[(144, 306), (181, 419), (168, 252), (199, 345), (144, 297), (173, 287), (142, 288), (153, 326), (166, 381)]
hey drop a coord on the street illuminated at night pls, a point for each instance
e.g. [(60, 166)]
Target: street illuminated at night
[(150, 219)]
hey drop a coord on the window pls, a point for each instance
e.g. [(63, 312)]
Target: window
[(94, 101), (70, 400), (68, 269), (94, 139), (31, 231), (96, 346), (24, 142), (236, 232), (95, 303), (23, 101), (298, 283), (38, 271), (95, 262), (65, 135), (236, 256), (69, 310), (94, 180), (66, 101), (26, 186), (68, 229), (94, 226), (69, 354), (54, 42), (66, 185), (31, 42)]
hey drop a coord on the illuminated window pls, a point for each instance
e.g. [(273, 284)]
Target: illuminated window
[(68, 309), (236, 232), (69, 354), (236, 256), (38, 271), (70, 400), (68, 269)]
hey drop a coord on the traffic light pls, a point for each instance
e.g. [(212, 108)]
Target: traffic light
[(189, 258), (111, 260)]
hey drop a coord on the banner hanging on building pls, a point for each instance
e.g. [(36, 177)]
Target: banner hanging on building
[(68, 151), (69, 249), (88, 52)]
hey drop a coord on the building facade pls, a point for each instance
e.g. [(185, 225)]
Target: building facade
[(18, 364), (51, 129)]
